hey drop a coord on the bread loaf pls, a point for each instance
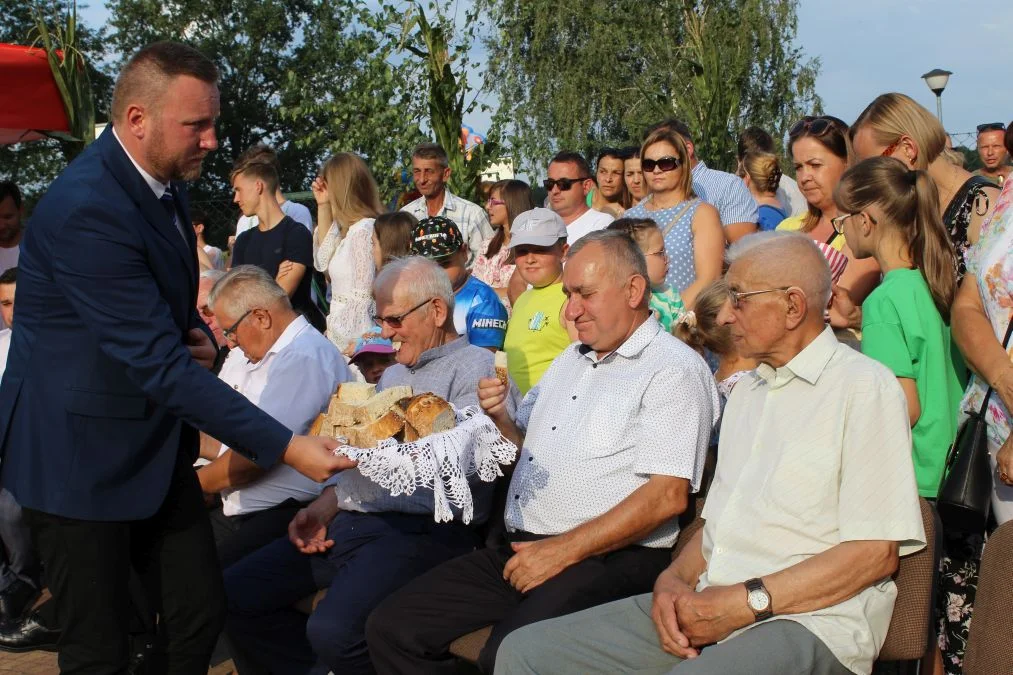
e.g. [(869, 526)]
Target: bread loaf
[(367, 435), (341, 413), (429, 414), (317, 425)]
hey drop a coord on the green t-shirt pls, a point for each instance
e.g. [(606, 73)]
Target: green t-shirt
[(667, 305), (902, 329)]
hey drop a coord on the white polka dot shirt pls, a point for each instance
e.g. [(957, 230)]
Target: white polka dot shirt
[(598, 429)]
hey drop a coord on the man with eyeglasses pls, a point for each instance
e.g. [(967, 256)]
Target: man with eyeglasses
[(724, 191), (813, 501), (356, 540), (568, 185), (285, 367), (993, 153)]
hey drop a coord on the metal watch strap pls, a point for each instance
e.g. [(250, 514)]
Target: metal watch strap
[(757, 585)]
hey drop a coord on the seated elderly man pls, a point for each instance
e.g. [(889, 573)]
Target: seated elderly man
[(613, 440), (356, 540), (286, 368), (813, 500)]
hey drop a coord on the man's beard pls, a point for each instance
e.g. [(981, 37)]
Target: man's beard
[(173, 168)]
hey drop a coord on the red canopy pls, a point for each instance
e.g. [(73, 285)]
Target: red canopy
[(30, 103)]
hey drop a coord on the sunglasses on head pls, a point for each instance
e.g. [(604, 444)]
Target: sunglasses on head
[(664, 163), (817, 126), (991, 126), (563, 183)]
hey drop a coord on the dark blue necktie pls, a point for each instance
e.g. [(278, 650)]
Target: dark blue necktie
[(169, 204)]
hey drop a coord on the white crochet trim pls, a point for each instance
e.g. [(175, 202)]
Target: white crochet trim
[(474, 447)]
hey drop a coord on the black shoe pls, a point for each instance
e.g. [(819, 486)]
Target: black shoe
[(27, 635), (16, 598)]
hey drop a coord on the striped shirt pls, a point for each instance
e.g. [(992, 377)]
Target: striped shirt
[(727, 193), (471, 219)]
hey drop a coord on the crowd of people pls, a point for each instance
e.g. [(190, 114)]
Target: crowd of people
[(800, 351)]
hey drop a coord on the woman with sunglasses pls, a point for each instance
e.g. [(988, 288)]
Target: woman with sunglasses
[(694, 238), (820, 151), (494, 265), (894, 125)]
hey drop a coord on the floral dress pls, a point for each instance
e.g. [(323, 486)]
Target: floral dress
[(991, 263), (495, 271)]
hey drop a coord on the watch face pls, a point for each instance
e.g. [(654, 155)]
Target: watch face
[(758, 600)]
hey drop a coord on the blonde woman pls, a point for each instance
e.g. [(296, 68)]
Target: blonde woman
[(894, 125), (348, 202)]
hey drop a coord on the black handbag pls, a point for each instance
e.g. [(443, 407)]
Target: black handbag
[(965, 493)]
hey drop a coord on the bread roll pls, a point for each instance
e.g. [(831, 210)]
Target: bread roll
[(317, 425), (430, 414), (502, 372)]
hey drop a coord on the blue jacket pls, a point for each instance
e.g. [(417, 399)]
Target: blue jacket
[(100, 394)]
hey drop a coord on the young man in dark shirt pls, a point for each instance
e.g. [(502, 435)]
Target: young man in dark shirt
[(277, 238)]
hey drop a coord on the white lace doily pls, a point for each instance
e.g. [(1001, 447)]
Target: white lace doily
[(441, 461)]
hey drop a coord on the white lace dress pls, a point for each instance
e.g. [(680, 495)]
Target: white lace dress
[(348, 263)]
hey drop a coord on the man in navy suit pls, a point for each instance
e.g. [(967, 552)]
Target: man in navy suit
[(108, 380)]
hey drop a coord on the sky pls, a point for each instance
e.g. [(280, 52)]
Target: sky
[(868, 47)]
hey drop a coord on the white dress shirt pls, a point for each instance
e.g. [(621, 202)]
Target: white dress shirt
[(813, 454), (471, 219), (597, 429), (293, 383), (590, 221), (5, 348)]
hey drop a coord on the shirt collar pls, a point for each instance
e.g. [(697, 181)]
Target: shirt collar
[(808, 364), (284, 340), (449, 201), (158, 187), (431, 355), (634, 344)]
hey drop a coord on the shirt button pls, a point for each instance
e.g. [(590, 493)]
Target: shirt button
[(236, 387), (574, 398), (594, 365), (531, 459), (553, 428), (412, 371), (517, 496)]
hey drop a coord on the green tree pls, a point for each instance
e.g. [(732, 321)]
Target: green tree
[(585, 74), (34, 165)]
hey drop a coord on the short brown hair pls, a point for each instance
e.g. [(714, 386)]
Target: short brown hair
[(252, 163), (147, 73), (432, 151)]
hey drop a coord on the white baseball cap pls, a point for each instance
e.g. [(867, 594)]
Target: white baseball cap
[(537, 227)]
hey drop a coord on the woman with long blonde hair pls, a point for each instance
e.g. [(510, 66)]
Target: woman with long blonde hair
[(348, 202), (894, 125)]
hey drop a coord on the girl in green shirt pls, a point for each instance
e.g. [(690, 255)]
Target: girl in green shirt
[(892, 214)]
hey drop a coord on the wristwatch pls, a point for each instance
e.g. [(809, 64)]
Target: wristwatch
[(758, 600)]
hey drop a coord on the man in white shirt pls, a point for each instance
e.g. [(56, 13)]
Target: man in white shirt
[(613, 441), (568, 185), (287, 369), (430, 172), (11, 227), (813, 501)]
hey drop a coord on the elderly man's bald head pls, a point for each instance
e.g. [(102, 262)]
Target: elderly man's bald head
[(783, 259)]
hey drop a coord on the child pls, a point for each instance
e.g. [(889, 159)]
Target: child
[(700, 330), (392, 237), (373, 355), (666, 303), (538, 331), (892, 214)]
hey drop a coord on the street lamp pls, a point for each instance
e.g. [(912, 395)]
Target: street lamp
[(937, 79)]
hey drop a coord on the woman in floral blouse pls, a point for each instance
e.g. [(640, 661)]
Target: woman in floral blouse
[(507, 199)]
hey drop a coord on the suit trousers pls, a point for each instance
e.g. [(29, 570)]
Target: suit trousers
[(411, 631), (88, 569), (373, 555), (17, 554), (240, 535)]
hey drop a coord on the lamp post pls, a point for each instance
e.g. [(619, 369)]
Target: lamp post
[(937, 79)]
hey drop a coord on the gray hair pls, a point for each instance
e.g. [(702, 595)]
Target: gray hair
[(212, 274), (788, 258), (418, 278), (624, 255), (247, 287)]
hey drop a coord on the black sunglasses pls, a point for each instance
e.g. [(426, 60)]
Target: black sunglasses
[(991, 126), (664, 163), (563, 183), (396, 320), (817, 126)]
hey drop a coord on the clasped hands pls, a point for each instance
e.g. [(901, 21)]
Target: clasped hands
[(687, 620)]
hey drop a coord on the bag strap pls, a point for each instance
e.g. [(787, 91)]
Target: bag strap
[(988, 392), (679, 214)]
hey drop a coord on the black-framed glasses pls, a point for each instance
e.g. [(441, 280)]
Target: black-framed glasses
[(666, 164), (817, 126), (991, 126), (735, 297), (564, 183), (838, 222), (396, 320), (230, 332)]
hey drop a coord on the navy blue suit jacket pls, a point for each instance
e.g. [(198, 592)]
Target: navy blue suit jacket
[(100, 394)]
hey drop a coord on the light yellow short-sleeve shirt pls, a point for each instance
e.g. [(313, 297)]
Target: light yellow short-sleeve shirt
[(794, 224), (813, 454)]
